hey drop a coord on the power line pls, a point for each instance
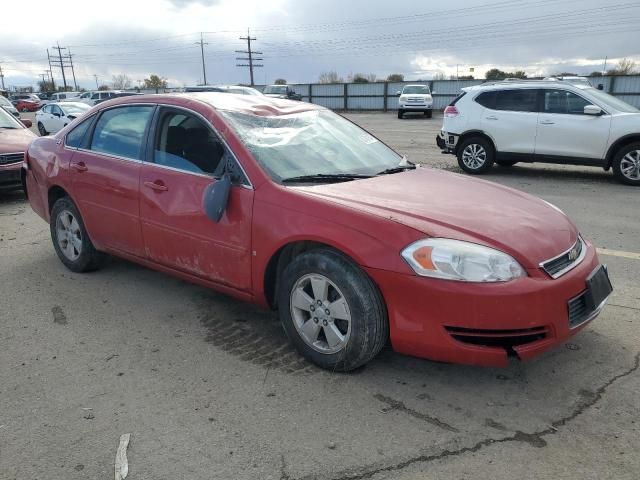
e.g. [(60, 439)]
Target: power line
[(61, 64), (250, 59)]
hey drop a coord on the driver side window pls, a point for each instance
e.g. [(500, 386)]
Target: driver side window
[(186, 143)]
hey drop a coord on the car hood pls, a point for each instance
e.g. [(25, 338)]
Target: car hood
[(448, 205), (13, 141)]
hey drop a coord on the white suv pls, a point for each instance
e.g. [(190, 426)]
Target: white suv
[(415, 98), (542, 121)]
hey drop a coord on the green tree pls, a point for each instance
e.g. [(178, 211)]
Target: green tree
[(155, 81), (280, 81), (395, 77)]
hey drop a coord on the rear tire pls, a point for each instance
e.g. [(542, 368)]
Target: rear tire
[(400, 113), (506, 163), (42, 130), (475, 155), (331, 310), (626, 164), (70, 238)]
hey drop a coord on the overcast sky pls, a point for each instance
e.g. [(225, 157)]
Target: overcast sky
[(301, 39)]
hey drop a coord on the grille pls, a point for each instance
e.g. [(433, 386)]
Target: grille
[(561, 264), (498, 338), (6, 158), (578, 310), (415, 100)]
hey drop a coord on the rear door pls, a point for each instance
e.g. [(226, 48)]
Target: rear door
[(564, 130), (510, 118), (105, 177), (185, 156)]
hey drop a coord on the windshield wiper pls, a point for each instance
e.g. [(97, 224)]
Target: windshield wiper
[(325, 178), (9, 128), (398, 169)]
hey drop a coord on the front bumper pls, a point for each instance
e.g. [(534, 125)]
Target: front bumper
[(413, 107), (482, 324), (10, 176)]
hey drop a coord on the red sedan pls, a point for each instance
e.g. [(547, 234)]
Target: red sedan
[(27, 106), (290, 206), (15, 137)]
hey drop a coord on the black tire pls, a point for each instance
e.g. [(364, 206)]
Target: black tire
[(617, 164), (42, 130), (506, 163), (488, 157), (429, 113), (369, 327), (89, 259), (400, 113)]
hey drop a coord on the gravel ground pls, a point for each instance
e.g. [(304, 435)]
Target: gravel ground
[(209, 388)]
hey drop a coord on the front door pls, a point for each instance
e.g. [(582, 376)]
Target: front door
[(564, 129), (105, 177), (186, 156)]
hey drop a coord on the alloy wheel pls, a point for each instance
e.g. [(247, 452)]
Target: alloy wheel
[(320, 313), (69, 235), (474, 156), (630, 165)]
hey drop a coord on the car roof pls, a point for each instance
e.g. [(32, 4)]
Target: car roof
[(249, 104), (502, 85)]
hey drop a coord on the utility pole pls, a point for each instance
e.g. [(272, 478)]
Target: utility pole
[(202, 43), (73, 72), (96, 77), (2, 77), (604, 69), (250, 57), (44, 76), (53, 85), (64, 79)]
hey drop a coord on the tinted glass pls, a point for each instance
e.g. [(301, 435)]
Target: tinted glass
[(120, 131), (487, 99), (561, 101), (56, 110), (186, 143), (46, 109), (522, 100), (76, 136), (413, 89), (95, 96)]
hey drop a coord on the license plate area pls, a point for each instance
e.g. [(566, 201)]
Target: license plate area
[(585, 306)]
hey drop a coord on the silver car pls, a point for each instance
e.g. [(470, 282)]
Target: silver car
[(8, 106)]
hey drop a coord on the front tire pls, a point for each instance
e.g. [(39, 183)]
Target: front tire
[(400, 113), (626, 164), (475, 155), (70, 238), (331, 310), (42, 130)]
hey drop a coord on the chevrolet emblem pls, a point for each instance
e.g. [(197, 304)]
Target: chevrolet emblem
[(573, 254)]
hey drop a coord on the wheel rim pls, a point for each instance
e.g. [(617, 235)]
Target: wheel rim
[(320, 313), (474, 156), (630, 165), (68, 235)]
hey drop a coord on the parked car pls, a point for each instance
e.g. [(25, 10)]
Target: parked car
[(31, 97), (44, 96), (93, 98), (237, 89), (55, 116), (15, 137), (27, 105), (542, 121), (9, 107), (281, 91), (291, 206), (65, 96), (415, 98)]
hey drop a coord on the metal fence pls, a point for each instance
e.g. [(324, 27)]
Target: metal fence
[(382, 96)]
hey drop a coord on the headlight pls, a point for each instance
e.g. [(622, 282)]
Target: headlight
[(462, 261)]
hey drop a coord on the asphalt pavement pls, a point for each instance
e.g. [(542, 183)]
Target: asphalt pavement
[(209, 388)]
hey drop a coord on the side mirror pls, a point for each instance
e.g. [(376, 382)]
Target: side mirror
[(592, 110), (216, 197), (398, 93), (27, 123), (600, 86)]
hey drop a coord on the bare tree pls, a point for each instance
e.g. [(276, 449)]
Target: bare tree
[(280, 81), (330, 77), (439, 76), (395, 77), (626, 66), (120, 82)]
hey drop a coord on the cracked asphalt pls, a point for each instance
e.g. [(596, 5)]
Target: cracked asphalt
[(209, 388)]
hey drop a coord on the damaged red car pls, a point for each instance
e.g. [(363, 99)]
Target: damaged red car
[(290, 206), (15, 138)]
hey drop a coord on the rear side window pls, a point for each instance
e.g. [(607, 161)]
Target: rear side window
[(120, 131), (487, 99), (75, 137), (562, 101), (521, 100)]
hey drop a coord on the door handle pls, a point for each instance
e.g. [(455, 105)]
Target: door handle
[(158, 186), (80, 166), (492, 117), (547, 122)]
